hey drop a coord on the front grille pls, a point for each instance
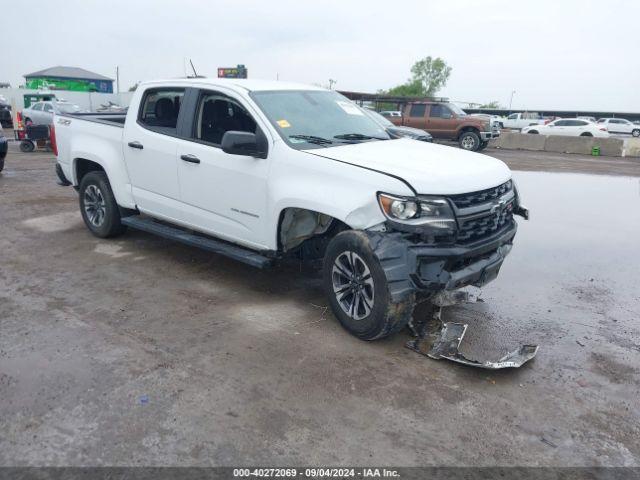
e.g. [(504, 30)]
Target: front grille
[(479, 227), (483, 196)]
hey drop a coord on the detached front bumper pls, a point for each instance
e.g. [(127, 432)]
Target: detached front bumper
[(412, 267)]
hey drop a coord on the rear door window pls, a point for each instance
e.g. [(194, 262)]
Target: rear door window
[(418, 110), (160, 108)]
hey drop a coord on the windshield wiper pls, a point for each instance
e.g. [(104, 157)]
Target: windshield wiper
[(312, 139), (357, 136)]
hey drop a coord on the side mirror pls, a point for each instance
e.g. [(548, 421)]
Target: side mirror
[(245, 143)]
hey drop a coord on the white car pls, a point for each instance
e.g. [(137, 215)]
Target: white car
[(570, 127), (391, 113), (262, 170), (620, 125), (41, 113)]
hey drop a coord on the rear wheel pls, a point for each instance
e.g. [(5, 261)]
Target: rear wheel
[(636, 132), (98, 206), (358, 291), (1, 164), (469, 141), (586, 134), (533, 132)]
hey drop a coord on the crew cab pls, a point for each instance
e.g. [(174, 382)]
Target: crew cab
[(446, 120), (262, 170)]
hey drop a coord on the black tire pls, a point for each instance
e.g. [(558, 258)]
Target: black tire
[(533, 132), (27, 146), (383, 317), (98, 206), (501, 125), (1, 164), (636, 132), (469, 141), (586, 134)]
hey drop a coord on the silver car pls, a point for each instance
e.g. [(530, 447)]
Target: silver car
[(41, 113)]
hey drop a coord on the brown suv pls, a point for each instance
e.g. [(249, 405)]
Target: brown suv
[(448, 121)]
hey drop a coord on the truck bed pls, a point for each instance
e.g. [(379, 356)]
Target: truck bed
[(115, 119)]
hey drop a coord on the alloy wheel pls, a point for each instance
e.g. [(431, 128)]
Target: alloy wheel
[(468, 143), (353, 285), (95, 206)]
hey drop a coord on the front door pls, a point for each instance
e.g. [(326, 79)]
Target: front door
[(441, 122), (222, 194), (149, 144)]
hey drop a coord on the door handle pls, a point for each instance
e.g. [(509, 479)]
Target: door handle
[(190, 158), (137, 145)]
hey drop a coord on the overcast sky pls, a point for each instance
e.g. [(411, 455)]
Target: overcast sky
[(573, 54)]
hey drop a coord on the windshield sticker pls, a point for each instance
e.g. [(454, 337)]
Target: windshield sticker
[(283, 124), (349, 108)]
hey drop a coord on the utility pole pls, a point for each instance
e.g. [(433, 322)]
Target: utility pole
[(118, 79), (511, 101), (332, 83)]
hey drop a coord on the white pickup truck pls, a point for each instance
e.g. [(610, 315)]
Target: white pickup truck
[(518, 121), (262, 170)]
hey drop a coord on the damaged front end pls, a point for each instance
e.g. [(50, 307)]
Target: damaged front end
[(461, 240), (463, 245)]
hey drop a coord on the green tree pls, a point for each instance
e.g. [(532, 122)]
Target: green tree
[(431, 73), (493, 104), (428, 76)]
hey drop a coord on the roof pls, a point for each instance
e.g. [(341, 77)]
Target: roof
[(68, 72), (249, 85)]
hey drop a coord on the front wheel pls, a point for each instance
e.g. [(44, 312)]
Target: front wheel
[(586, 134), (533, 132), (358, 291), (469, 141), (98, 206), (636, 132)]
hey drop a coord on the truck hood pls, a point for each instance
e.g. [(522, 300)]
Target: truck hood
[(429, 168)]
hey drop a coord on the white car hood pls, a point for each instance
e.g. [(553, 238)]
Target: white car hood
[(429, 168)]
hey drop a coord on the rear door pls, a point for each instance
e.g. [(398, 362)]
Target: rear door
[(416, 115), (222, 194), (149, 144)]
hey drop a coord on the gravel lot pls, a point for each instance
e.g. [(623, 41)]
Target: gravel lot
[(142, 351)]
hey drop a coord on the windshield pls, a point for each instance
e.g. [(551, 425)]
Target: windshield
[(379, 119), (67, 107), (315, 119), (456, 109)]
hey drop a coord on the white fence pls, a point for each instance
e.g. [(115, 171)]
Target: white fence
[(86, 100)]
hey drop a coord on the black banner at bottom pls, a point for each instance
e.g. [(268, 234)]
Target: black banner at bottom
[(403, 473)]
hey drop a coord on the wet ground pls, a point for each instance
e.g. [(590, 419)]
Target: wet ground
[(142, 351)]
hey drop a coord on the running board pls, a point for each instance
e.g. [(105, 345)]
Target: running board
[(206, 243)]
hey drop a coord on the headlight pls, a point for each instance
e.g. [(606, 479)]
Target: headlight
[(433, 212)]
